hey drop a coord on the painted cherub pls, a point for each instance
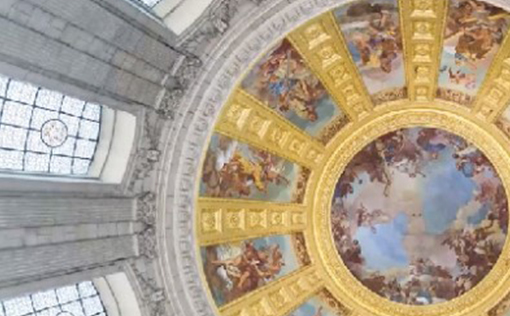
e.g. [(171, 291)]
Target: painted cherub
[(370, 219)]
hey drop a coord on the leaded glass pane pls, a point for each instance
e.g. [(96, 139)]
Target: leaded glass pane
[(84, 148), (81, 299), (21, 91), (36, 162), (40, 116), (18, 306), (89, 130), (74, 308), (60, 164), (67, 149), (12, 137), (72, 123), (35, 143), (11, 159), (92, 306), (87, 288), (44, 300), (92, 112), (73, 106), (53, 311), (67, 294), (44, 131), (80, 166), (49, 99), (17, 114)]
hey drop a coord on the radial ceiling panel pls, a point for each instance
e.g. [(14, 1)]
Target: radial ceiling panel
[(362, 167)]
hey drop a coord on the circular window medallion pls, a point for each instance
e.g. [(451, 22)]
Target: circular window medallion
[(419, 216), (54, 133)]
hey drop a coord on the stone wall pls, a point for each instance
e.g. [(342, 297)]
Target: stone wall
[(108, 48), (56, 231)]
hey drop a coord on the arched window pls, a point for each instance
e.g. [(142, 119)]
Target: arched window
[(149, 3), (81, 299), (43, 131)]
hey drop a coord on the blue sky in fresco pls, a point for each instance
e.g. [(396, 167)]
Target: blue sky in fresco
[(385, 250), (445, 189), (310, 308)]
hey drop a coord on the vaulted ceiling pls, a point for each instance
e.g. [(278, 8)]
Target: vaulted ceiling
[(360, 167)]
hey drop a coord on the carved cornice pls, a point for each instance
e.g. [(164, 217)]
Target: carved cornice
[(148, 154), (217, 20), (146, 216), (152, 294)]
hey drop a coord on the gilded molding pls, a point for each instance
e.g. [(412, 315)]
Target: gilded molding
[(328, 298), (322, 45), (501, 308), (226, 220), (328, 132), (423, 28), (280, 297), (248, 120), (494, 95), (299, 243)]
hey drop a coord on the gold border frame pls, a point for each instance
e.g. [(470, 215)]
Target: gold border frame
[(390, 117)]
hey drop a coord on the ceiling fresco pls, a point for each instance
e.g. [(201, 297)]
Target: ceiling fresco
[(361, 167), (285, 84), (236, 170), (235, 269), (419, 216), (473, 35), (314, 307), (373, 36)]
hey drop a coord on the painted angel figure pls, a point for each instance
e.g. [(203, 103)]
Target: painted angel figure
[(370, 219)]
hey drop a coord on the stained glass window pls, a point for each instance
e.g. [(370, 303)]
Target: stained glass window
[(81, 299), (43, 131)]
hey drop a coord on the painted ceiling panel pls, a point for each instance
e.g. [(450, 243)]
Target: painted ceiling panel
[(284, 82)]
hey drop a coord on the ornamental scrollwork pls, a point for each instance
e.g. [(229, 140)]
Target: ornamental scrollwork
[(146, 215)]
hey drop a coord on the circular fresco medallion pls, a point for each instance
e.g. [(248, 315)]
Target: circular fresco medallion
[(54, 133), (419, 216)]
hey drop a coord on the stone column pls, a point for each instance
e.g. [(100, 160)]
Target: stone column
[(101, 51), (42, 238)]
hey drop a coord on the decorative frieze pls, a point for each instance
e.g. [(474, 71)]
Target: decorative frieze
[(423, 28)]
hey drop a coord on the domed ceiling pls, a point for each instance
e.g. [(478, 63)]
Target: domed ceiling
[(361, 167)]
